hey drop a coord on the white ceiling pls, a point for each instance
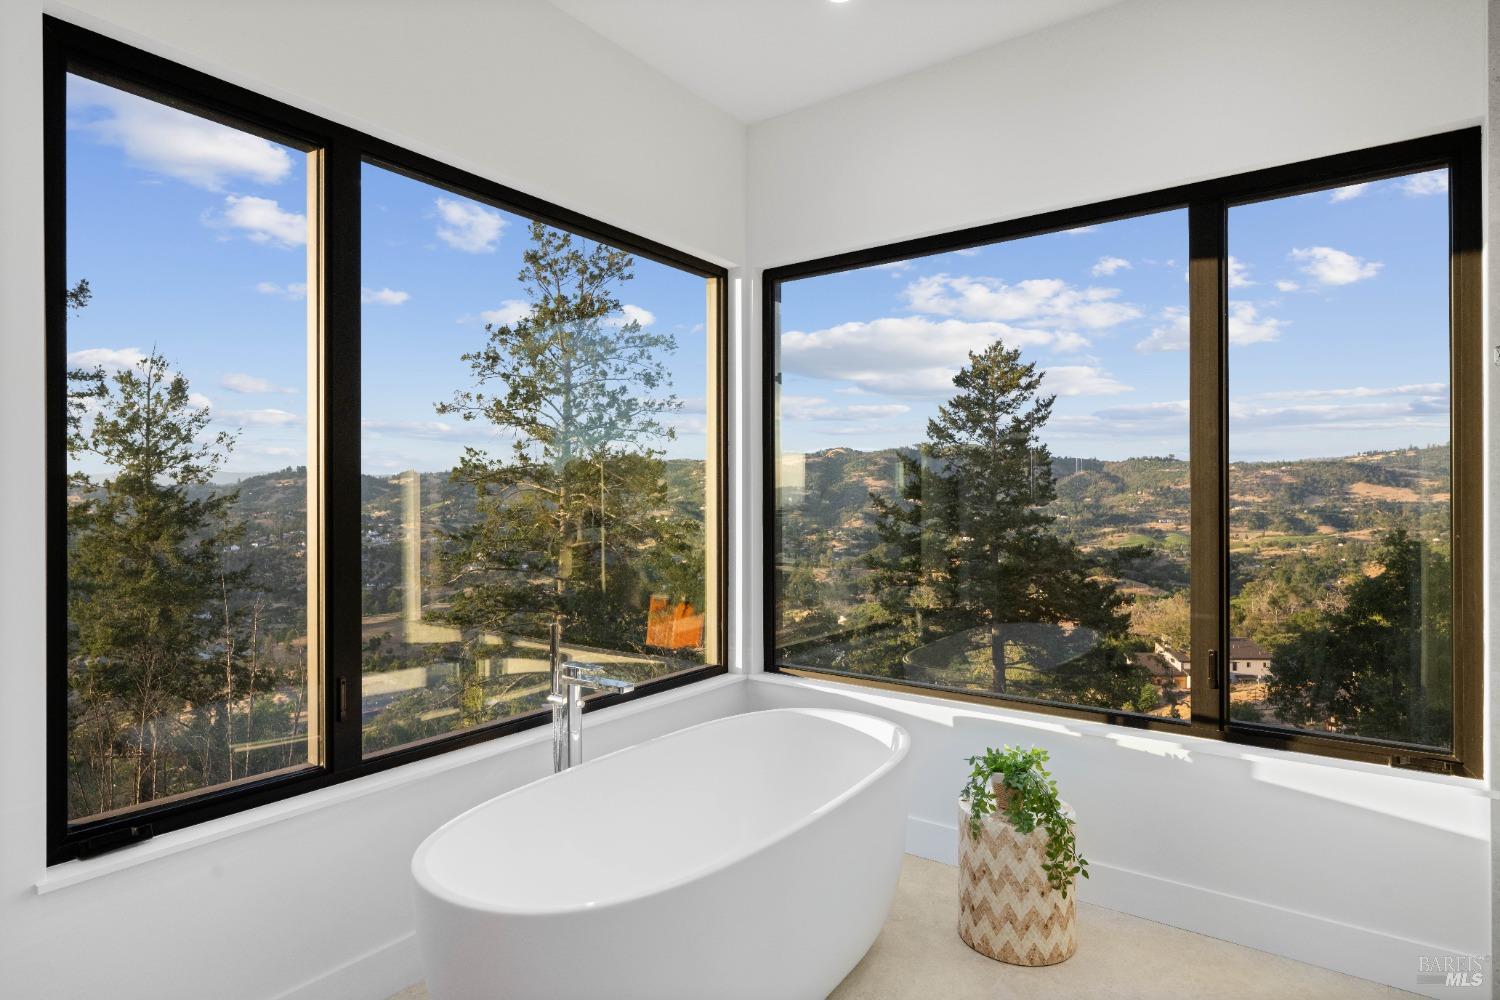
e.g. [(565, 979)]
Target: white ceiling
[(760, 58)]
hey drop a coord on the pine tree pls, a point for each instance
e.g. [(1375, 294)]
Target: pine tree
[(568, 519), (145, 567), (84, 384), (970, 543)]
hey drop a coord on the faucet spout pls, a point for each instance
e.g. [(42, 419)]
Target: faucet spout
[(569, 680)]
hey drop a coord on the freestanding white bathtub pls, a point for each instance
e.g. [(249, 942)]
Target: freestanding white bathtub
[(751, 857)]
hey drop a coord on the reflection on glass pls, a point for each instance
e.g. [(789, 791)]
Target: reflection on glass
[(983, 479), (187, 395), (1340, 526), (536, 450)]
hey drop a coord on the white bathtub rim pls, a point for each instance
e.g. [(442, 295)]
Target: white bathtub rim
[(901, 745)]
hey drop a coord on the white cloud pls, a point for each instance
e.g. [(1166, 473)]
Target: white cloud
[(468, 227), (1035, 300), (382, 296), (1239, 273), (1431, 390), (110, 358), (1425, 413), (264, 221), (1164, 420), (1349, 191), (200, 401), (895, 267), (1334, 267), (1109, 265), (511, 312), (907, 355), (269, 417), (1287, 286), (1079, 230), (632, 314), (175, 143), (817, 408), (242, 383), (1132, 420), (1081, 380), (1246, 326), (409, 428), (1170, 335), (294, 291), (1420, 185)]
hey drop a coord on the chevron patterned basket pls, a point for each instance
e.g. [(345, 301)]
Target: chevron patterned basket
[(1006, 909)]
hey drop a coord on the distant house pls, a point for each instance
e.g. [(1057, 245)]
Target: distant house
[(1248, 661), (1171, 667)]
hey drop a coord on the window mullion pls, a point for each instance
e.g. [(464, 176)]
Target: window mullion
[(1466, 277), (1208, 392), (339, 449)]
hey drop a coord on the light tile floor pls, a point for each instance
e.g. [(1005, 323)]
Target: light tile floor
[(919, 956)]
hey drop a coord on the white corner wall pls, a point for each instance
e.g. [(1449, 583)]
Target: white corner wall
[(1138, 96), (1353, 867), (1343, 865), (310, 899)]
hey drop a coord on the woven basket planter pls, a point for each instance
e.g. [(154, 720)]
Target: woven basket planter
[(1006, 909)]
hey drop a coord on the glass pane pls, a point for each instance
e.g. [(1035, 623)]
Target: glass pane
[(536, 449), (983, 473), (187, 453), (1340, 543)]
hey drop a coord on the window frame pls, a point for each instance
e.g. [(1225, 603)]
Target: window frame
[(1207, 203), (338, 152)]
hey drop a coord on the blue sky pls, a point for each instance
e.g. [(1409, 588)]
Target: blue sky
[(1338, 331), (193, 238)]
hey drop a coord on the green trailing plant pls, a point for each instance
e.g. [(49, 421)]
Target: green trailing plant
[(1031, 802)]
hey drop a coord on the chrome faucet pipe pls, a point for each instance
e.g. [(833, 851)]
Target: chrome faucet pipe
[(556, 698), (569, 680)]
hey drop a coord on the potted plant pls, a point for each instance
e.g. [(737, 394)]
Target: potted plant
[(1018, 860)]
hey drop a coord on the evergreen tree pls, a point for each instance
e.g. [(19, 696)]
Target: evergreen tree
[(1380, 665), (908, 571), (148, 591), (84, 384), (970, 541), (572, 521)]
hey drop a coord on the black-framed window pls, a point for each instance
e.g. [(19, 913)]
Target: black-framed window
[(337, 436), (1203, 460)]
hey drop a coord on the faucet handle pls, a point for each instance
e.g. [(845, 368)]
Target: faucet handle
[(588, 675)]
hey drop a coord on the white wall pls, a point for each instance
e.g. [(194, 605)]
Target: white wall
[(1347, 864), (1138, 96), (512, 90), (1353, 867)]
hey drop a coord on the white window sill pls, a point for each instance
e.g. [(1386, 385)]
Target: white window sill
[(1161, 743), (76, 872)]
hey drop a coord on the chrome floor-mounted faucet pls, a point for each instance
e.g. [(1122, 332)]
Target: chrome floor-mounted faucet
[(569, 680)]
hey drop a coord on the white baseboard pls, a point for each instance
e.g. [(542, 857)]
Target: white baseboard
[(375, 975), (1330, 944), (932, 840)]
